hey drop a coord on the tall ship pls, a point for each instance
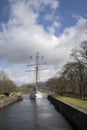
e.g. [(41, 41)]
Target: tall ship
[(35, 90)]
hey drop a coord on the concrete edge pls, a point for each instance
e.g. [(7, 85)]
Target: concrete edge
[(9, 101), (74, 115)]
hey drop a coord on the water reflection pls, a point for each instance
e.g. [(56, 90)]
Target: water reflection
[(31, 114)]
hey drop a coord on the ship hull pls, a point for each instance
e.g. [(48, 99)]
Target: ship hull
[(35, 95)]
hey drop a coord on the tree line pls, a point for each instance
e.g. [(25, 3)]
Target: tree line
[(6, 84), (72, 79)]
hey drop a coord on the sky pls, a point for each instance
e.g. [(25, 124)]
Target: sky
[(51, 27)]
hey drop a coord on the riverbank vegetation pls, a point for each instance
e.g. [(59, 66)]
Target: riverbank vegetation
[(2, 97), (7, 87), (72, 79)]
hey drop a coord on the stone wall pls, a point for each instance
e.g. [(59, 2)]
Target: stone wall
[(10, 100), (75, 116)]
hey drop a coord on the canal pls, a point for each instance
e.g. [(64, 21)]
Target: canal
[(32, 115)]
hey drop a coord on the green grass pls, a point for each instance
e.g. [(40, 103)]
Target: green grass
[(2, 97), (82, 104)]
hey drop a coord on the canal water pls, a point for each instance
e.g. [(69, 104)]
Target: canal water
[(32, 115)]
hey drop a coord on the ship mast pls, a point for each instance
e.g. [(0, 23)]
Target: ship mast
[(37, 56), (36, 69)]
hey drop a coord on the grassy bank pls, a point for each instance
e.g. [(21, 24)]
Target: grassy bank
[(12, 98), (2, 96), (80, 104)]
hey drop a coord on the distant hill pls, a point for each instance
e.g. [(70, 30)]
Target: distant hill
[(42, 85)]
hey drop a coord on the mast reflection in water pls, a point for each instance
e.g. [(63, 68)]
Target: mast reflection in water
[(30, 114)]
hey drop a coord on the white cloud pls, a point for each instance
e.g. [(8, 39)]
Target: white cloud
[(53, 27), (22, 37), (53, 3), (56, 24)]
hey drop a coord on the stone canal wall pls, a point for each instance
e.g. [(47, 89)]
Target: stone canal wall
[(10, 100), (75, 116)]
